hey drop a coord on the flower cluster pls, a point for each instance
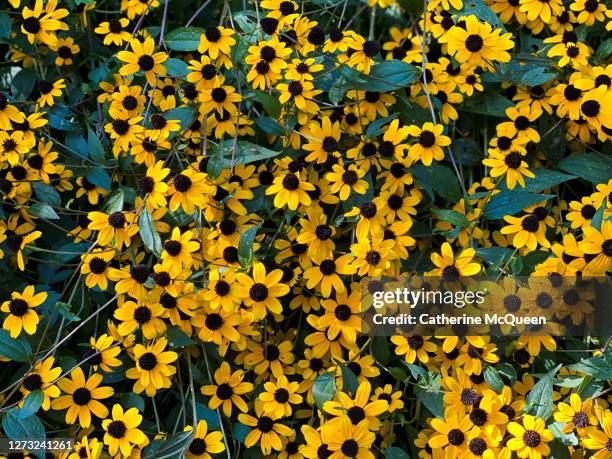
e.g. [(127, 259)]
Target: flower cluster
[(193, 191)]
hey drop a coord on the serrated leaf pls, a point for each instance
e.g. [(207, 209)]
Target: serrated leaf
[(30, 428), (540, 397)]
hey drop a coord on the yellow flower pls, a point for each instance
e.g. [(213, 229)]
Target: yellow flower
[(41, 25), (121, 432), (21, 315), (143, 58), (153, 370), (82, 397), (531, 438), (204, 443)]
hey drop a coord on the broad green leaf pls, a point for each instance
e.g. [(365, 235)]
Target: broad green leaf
[(5, 25), (270, 103), (432, 399), (467, 152), (23, 82), (544, 179), (176, 68), (377, 127), (490, 103), (481, 11), (185, 115), (15, 349), (77, 145), (96, 150), (31, 404), (453, 217), (600, 369), (244, 153), (495, 255), (540, 397), (115, 201), (508, 371), (132, 400), (184, 38), (171, 447), (493, 379), (324, 388), (349, 380), (47, 194), (99, 177), (393, 452), (30, 428), (593, 167), (148, 232), (388, 76), (511, 202), (210, 416), (269, 125), (240, 431), (439, 179), (245, 246), (62, 118), (178, 338), (43, 211)]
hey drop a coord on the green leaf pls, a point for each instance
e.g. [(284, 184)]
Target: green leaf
[(61, 118), (96, 150), (5, 25), (99, 177), (393, 452), (604, 51), (593, 167), (31, 404), (511, 202), (64, 310), (600, 369), (537, 76), (493, 379), (495, 255), (30, 428), (23, 82), (148, 232), (324, 388), (114, 201), (508, 371), (47, 194), (245, 246), (597, 219), (489, 103), (178, 338), (43, 211), (349, 380), (184, 38), (453, 217), (540, 397), (376, 128), (16, 349), (240, 431), (210, 416), (388, 76), (176, 68), (380, 350), (481, 11), (269, 125), (171, 447), (245, 153), (467, 152), (418, 372), (543, 180), (77, 145), (433, 399), (558, 450), (132, 400), (439, 179), (185, 115), (270, 103)]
